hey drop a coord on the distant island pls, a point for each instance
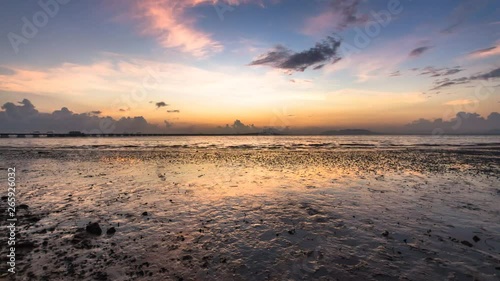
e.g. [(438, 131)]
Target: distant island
[(348, 132)]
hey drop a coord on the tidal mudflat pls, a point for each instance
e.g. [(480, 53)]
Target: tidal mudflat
[(239, 213)]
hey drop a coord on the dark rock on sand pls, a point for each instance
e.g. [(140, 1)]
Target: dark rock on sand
[(22, 207), (466, 243), (476, 239), (145, 213), (102, 276), (111, 231), (25, 245), (80, 240), (385, 233), (94, 228)]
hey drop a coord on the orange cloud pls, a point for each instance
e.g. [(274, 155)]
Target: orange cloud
[(173, 28), (487, 52), (166, 20), (460, 102)]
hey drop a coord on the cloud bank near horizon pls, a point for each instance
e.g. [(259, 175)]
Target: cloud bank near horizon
[(24, 117), (462, 123)]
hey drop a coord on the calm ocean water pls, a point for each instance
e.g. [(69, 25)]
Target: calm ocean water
[(254, 142)]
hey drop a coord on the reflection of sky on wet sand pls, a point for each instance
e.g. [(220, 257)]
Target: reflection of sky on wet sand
[(242, 214)]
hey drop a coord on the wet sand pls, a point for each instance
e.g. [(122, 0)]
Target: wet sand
[(257, 214)]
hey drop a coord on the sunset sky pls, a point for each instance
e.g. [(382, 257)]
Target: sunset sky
[(272, 63)]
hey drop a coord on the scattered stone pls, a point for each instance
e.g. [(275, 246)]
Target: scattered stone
[(101, 276), (25, 245), (476, 239), (291, 232), (111, 231), (94, 228), (22, 207), (385, 233), (145, 213), (466, 243)]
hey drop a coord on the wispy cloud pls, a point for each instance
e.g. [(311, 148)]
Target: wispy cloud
[(437, 72), (171, 25), (6, 71), (167, 21), (395, 73), (486, 52), (339, 15), (376, 62), (283, 58), (463, 12), (442, 83), (459, 102), (419, 51), (495, 73)]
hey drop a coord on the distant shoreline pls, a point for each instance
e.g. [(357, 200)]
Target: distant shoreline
[(83, 135)]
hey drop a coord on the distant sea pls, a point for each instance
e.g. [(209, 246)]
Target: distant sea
[(255, 142)]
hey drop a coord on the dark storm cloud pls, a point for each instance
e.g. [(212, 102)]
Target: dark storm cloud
[(161, 104), (284, 58), (419, 51), (462, 123), (24, 117), (174, 111)]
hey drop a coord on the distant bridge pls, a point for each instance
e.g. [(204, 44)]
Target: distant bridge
[(84, 135), (75, 135)]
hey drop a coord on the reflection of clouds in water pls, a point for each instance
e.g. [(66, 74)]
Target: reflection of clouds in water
[(235, 223)]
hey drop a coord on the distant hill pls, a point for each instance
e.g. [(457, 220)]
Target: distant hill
[(348, 132)]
